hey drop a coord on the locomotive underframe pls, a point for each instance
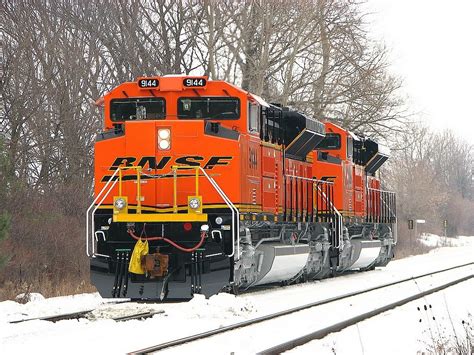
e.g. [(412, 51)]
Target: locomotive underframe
[(270, 252)]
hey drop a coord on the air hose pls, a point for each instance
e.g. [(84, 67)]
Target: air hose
[(177, 246)]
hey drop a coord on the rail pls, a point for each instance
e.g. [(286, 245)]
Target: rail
[(286, 346)]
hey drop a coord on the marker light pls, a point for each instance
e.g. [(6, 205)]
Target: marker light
[(194, 203), (164, 138), (119, 203), (219, 220)]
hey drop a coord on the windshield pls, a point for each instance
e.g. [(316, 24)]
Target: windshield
[(222, 108), (149, 108)]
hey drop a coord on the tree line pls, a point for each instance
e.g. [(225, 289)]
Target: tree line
[(433, 175)]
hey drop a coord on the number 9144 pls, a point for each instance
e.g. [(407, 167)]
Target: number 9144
[(194, 82), (146, 83)]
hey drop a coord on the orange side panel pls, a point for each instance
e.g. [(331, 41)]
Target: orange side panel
[(359, 191), (251, 189)]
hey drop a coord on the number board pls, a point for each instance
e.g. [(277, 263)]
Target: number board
[(148, 83), (194, 83)]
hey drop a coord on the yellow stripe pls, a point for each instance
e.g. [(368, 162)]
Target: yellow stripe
[(243, 207), (168, 217)]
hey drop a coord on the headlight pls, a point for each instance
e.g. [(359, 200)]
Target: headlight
[(120, 203), (219, 220), (164, 138), (164, 133), (164, 144), (194, 203)]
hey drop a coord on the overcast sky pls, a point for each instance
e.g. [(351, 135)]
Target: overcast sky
[(432, 49)]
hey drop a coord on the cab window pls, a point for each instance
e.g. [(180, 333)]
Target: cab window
[(147, 108), (350, 147), (254, 118), (332, 141), (209, 108)]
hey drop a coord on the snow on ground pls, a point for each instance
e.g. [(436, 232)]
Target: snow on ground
[(413, 328), (435, 241), (261, 336), (106, 336)]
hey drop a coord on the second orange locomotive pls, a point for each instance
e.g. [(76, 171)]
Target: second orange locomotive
[(229, 192)]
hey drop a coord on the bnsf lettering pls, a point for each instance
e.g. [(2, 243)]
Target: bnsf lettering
[(217, 161), (151, 163), (191, 161), (126, 161)]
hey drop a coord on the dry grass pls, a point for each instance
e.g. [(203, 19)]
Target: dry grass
[(408, 248), (453, 337), (9, 290)]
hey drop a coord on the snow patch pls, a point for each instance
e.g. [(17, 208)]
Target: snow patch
[(122, 310), (10, 311), (29, 297), (222, 305), (436, 241)]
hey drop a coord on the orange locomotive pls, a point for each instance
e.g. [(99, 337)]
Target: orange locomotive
[(202, 187)]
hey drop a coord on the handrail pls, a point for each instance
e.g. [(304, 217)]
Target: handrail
[(310, 179), (138, 168), (339, 219), (316, 183), (391, 206), (175, 169), (373, 213), (102, 196), (95, 209), (233, 210), (92, 205)]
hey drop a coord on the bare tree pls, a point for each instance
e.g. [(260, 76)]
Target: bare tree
[(60, 56)]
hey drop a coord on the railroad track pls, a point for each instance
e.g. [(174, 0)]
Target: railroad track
[(320, 333), (84, 313)]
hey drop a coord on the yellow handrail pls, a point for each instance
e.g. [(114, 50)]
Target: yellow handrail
[(139, 188), (175, 169), (193, 214)]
